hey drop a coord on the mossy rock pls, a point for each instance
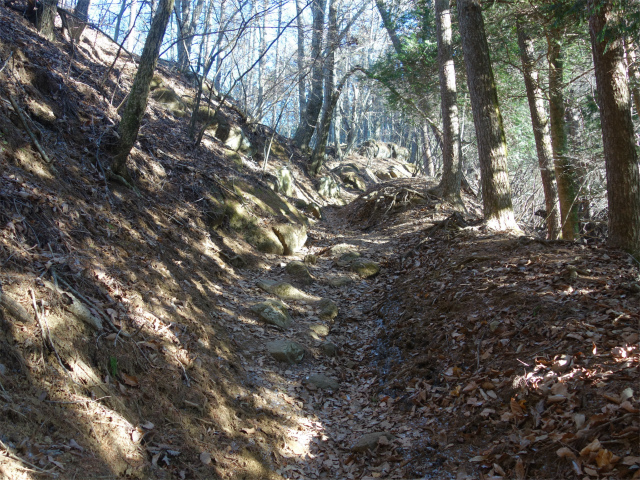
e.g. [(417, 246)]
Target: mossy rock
[(156, 82), (365, 268), (291, 236), (272, 312), (284, 290), (328, 310), (320, 329), (339, 281), (299, 271), (347, 258), (329, 349), (353, 180), (328, 187), (286, 351), (285, 183), (322, 382), (269, 202), (170, 100)]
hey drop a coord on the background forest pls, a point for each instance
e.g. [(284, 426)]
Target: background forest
[(282, 62)]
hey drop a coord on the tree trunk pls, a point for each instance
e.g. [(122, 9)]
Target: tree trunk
[(314, 104), (302, 100), (47, 19), (634, 74), (565, 174), (451, 160), (387, 21), (116, 29), (428, 158), (131, 36), (621, 157), (540, 123), (138, 96), (492, 149), (81, 11)]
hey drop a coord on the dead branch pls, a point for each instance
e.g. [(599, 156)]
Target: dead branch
[(14, 308), (20, 113)]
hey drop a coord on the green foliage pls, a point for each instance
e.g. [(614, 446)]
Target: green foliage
[(113, 367)]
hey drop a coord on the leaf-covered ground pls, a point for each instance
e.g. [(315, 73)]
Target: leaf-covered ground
[(471, 354)]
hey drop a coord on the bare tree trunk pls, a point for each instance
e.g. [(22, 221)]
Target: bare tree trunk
[(261, 66), (389, 26), (116, 30), (314, 104), (621, 157), (81, 11), (492, 149), (565, 174), (131, 38), (138, 96), (634, 74), (428, 158), (302, 101), (451, 160), (47, 19), (541, 133)]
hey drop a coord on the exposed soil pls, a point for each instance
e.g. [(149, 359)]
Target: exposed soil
[(473, 354)]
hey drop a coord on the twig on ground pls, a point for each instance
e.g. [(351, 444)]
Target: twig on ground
[(20, 113), (37, 469)]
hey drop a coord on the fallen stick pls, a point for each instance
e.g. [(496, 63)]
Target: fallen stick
[(14, 308), (20, 113)]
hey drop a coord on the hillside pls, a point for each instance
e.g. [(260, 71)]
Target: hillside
[(164, 333)]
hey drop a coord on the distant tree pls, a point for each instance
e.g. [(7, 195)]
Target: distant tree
[(565, 172), (138, 96), (621, 156), (540, 123), (492, 149)]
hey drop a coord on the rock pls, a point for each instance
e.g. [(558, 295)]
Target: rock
[(383, 175), (310, 259), (365, 268), (397, 171), (299, 271), (347, 258), (341, 248), (329, 349), (170, 100), (315, 210), (272, 312), (285, 182), (156, 82), (370, 441), (41, 111), (354, 180), (286, 351), (237, 140), (264, 240), (339, 281), (328, 310), (370, 176), (291, 236), (241, 221), (320, 329), (322, 382), (284, 290), (328, 187)]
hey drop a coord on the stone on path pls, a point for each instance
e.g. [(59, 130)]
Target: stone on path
[(347, 258), (365, 268), (322, 382), (286, 351), (319, 329), (299, 271), (370, 441), (328, 310), (339, 281), (272, 312), (292, 237), (286, 291), (329, 349)]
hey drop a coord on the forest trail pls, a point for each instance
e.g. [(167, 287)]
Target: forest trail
[(471, 353)]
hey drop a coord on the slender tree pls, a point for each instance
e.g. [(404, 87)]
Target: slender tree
[(621, 157), (451, 159), (138, 96), (492, 149), (540, 123), (47, 19), (565, 174)]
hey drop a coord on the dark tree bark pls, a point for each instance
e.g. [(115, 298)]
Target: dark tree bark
[(621, 157), (81, 11), (308, 122), (389, 26), (47, 19), (565, 173), (492, 149), (541, 132), (139, 94), (451, 159)]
